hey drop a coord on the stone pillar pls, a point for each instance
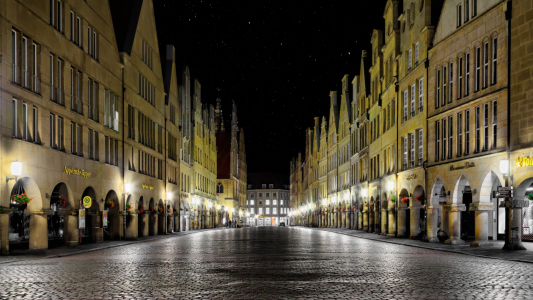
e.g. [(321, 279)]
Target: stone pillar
[(170, 221), (366, 219), (177, 223), (97, 232), (360, 220), (153, 224), (482, 223), (402, 215), (432, 223), (348, 222), (371, 219), (144, 222), (4, 233), (71, 229), (415, 222), (38, 228), (454, 222), (132, 225), (384, 217), (161, 219)]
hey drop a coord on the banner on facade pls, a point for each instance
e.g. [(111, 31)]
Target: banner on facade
[(104, 218), (82, 218)]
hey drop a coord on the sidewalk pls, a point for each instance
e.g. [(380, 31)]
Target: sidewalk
[(493, 251), (25, 255)]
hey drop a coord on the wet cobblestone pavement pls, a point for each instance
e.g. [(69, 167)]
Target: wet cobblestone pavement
[(266, 263)]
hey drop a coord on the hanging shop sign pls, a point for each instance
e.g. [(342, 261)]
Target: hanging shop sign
[(147, 186), (465, 166), (524, 162), (184, 196), (82, 218), (104, 218), (87, 201), (79, 172), (411, 177)]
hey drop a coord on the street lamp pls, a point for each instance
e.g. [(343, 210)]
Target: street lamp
[(512, 208), (16, 170), (390, 185)]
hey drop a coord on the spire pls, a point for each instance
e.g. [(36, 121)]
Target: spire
[(219, 120)]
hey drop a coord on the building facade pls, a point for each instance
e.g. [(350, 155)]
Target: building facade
[(100, 128), (268, 202), (430, 126)]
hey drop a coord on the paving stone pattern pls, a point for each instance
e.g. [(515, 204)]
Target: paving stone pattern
[(266, 263)]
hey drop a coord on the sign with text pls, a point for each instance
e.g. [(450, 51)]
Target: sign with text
[(87, 202), (104, 218), (147, 186), (82, 218), (80, 172)]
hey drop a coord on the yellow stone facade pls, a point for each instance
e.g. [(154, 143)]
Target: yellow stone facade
[(431, 108), (94, 113)]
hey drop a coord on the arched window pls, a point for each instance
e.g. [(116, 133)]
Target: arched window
[(220, 188)]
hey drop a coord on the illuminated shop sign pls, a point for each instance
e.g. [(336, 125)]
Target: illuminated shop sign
[(80, 172), (524, 162), (465, 166), (147, 186)]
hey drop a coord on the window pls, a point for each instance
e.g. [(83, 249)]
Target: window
[(89, 35), (14, 51), (52, 131), (450, 87), (252, 210), (460, 82), (111, 116), (467, 78), (486, 126), (459, 134), (260, 210), (467, 132), (420, 146), (467, 10), (35, 125), (444, 81), (416, 53), (264, 186), (95, 45), (281, 202), (267, 195), (478, 68), (78, 92), (72, 98), (486, 65), (52, 90), (59, 16), (494, 124), (274, 210), (474, 8), (79, 32), (59, 133), (267, 210), (24, 121), (444, 139), (437, 102), (412, 152), (405, 105), (24, 62), (15, 118), (477, 129), (270, 186), (72, 137), (59, 79), (421, 95), (494, 60), (35, 78), (405, 152), (459, 15), (72, 27), (275, 195), (260, 195), (413, 100), (274, 202), (79, 138), (410, 57), (437, 140), (92, 99), (450, 136)]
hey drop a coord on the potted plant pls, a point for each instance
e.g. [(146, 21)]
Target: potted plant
[(110, 203), (21, 199), (61, 201), (151, 208), (392, 199), (405, 199), (530, 196), (385, 202), (160, 209), (128, 206), (141, 208)]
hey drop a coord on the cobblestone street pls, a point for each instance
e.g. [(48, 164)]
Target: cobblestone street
[(266, 263)]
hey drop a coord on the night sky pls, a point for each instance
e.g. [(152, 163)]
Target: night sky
[(277, 60)]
